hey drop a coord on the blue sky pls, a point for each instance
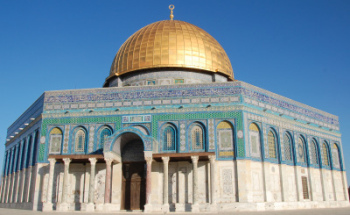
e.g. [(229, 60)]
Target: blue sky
[(299, 49)]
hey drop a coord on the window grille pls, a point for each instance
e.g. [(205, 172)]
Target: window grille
[(272, 144), (335, 156), (313, 152), (305, 187), (287, 147), (169, 138), (325, 159), (80, 141), (197, 137)]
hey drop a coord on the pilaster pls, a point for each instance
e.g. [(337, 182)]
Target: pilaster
[(165, 206), (213, 205), (195, 205)]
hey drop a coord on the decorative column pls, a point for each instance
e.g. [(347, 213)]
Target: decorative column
[(165, 207), (108, 180), (47, 206), (213, 206), (91, 206), (63, 206), (195, 205), (148, 206)]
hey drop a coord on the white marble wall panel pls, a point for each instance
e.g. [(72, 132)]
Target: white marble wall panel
[(257, 188), (203, 182), (76, 183), (338, 185), (100, 183), (316, 184), (86, 183), (273, 183), (227, 181), (157, 181), (117, 183), (302, 172), (289, 185), (39, 189), (328, 184)]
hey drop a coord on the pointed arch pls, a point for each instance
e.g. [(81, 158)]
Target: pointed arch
[(197, 136), (80, 140), (288, 149), (335, 156), (301, 152), (325, 154), (168, 139), (104, 133), (55, 143), (225, 137), (254, 138), (272, 143), (314, 152)]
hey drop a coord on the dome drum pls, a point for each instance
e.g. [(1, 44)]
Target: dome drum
[(165, 76)]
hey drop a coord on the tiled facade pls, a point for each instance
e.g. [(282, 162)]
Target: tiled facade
[(145, 110)]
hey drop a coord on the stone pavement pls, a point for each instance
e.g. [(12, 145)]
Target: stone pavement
[(323, 211)]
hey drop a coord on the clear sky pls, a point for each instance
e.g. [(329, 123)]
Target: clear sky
[(296, 48)]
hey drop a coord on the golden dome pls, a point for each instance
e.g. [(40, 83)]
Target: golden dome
[(171, 44)]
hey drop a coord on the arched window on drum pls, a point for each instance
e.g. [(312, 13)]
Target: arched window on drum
[(169, 138), (55, 141), (335, 156), (254, 137)]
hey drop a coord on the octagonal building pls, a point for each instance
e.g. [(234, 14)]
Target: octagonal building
[(172, 130)]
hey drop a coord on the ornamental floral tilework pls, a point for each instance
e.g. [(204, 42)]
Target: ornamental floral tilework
[(211, 134)]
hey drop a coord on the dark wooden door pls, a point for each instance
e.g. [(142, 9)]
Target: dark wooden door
[(134, 186)]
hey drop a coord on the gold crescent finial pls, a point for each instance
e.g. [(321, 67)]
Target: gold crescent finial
[(171, 7)]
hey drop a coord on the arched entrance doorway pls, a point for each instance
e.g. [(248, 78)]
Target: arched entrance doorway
[(133, 172)]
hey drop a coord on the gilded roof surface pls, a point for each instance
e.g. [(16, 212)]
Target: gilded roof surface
[(171, 44)]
